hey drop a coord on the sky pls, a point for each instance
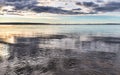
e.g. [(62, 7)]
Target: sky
[(60, 11)]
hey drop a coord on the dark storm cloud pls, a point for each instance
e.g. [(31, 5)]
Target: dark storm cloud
[(109, 7)]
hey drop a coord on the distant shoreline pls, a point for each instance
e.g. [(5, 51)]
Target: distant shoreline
[(26, 23)]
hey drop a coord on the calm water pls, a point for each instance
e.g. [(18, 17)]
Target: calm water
[(84, 29)]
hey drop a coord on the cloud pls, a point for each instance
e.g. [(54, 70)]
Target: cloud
[(78, 3), (12, 0), (97, 7), (87, 4), (109, 7), (47, 9), (78, 7), (32, 5), (90, 4), (54, 10)]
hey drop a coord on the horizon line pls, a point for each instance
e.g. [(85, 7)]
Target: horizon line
[(30, 23)]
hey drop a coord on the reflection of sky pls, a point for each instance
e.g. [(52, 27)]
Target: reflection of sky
[(53, 29), (64, 19)]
